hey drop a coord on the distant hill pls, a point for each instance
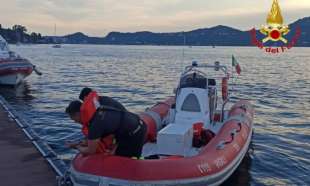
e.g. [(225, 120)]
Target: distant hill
[(304, 24), (80, 38), (217, 36)]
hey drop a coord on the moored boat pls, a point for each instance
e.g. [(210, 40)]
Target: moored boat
[(192, 139), (13, 68), (56, 44)]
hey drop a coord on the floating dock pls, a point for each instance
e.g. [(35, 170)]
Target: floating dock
[(25, 159)]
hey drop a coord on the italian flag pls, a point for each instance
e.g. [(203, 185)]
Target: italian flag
[(236, 65)]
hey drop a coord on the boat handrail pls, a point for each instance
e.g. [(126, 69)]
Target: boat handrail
[(217, 66), (194, 70)]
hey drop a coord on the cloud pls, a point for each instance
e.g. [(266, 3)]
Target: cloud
[(60, 10)]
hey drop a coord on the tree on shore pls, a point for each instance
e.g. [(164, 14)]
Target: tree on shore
[(20, 32), (35, 38)]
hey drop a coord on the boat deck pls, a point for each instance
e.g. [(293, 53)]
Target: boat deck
[(20, 163)]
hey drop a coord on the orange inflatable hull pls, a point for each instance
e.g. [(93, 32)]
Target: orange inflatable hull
[(215, 162)]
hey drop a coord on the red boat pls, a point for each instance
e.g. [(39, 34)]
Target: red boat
[(13, 68), (192, 138)]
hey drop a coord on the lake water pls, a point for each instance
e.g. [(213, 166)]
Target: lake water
[(140, 76)]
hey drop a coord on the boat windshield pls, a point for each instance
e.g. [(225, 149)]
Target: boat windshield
[(193, 80), (191, 104)]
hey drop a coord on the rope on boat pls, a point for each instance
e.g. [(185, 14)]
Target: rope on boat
[(233, 133), (37, 71)]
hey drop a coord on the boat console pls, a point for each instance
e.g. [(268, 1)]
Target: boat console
[(196, 102)]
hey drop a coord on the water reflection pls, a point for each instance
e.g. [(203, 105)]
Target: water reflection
[(21, 91), (242, 175)]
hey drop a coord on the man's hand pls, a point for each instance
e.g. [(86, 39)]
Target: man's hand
[(72, 145), (90, 148)]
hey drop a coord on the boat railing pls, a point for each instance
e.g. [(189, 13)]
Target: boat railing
[(216, 66)]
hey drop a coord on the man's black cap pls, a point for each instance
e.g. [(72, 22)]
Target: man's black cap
[(73, 107), (84, 92)]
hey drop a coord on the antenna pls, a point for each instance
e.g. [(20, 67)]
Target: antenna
[(233, 81), (54, 30), (183, 49)]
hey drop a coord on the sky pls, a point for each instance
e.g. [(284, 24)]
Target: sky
[(99, 17)]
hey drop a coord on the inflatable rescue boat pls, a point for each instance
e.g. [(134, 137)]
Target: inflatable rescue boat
[(196, 137), (13, 68)]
